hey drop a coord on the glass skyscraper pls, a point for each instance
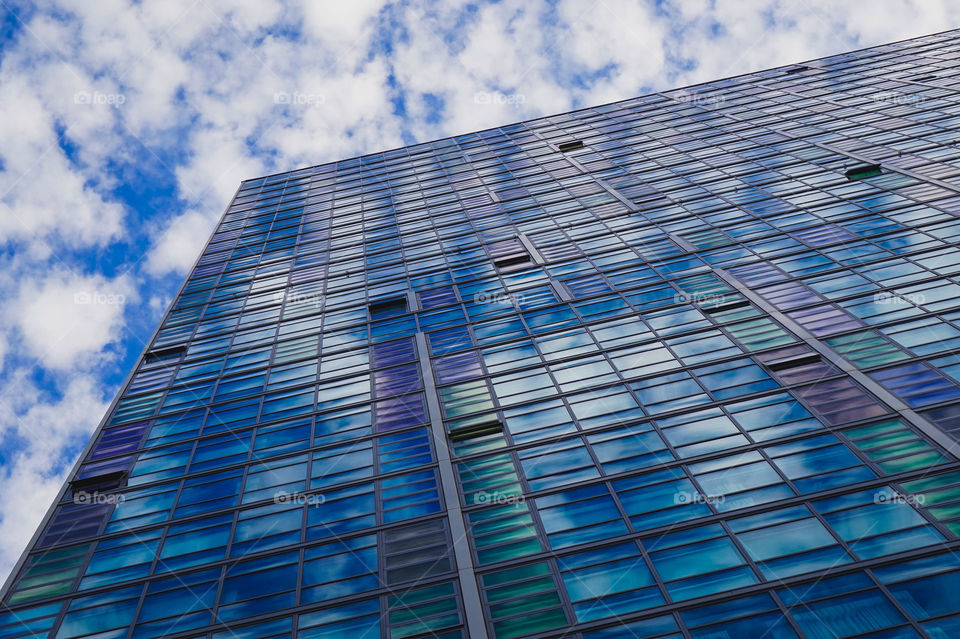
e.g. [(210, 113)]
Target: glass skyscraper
[(678, 366)]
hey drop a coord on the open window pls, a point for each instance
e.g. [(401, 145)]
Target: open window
[(509, 261), (388, 307), (476, 430), (863, 171), (797, 364), (164, 353), (509, 255), (572, 145), (101, 476)]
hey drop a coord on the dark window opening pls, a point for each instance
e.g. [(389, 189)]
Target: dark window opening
[(793, 362), (797, 364), (508, 261), (800, 68), (570, 146), (168, 352), (476, 430), (865, 171), (388, 308), (99, 482), (947, 419), (725, 306), (509, 254)]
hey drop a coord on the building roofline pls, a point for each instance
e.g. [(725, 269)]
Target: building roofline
[(955, 30)]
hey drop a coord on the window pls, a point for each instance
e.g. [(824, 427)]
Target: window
[(788, 542), (863, 171), (167, 353), (573, 145), (608, 582), (259, 585), (388, 307), (413, 552), (917, 385), (523, 600), (698, 562), (509, 255), (825, 609), (339, 568), (580, 515)]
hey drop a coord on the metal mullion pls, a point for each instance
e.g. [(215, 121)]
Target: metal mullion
[(104, 422), (466, 575), (764, 587), (848, 549), (851, 371), (713, 518), (292, 612), (688, 410)]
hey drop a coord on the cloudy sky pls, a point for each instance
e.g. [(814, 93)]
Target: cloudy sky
[(125, 128)]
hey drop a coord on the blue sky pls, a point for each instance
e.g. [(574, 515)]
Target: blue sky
[(125, 128)]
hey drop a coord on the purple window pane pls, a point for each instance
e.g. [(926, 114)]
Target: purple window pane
[(585, 286), (757, 274), (116, 441), (511, 194), (73, 522), (449, 341), (823, 235), (825, 320), (104, 468), (475, 201), (436, 297), (393, 352), (400, 412), (917, 385), (399, 379), (840, 400), (810, 372), (308, 274), (455, 368), (783, 355), (947, 419), (789, 295)]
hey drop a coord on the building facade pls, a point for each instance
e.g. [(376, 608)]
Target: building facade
[(678, 366)]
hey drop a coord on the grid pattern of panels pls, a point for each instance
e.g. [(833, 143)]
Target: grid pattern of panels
[(686, 365)]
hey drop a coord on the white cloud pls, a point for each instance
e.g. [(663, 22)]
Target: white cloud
[(66, 320), (48, 432), (181, 243), (190, 88), (41, 193)]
